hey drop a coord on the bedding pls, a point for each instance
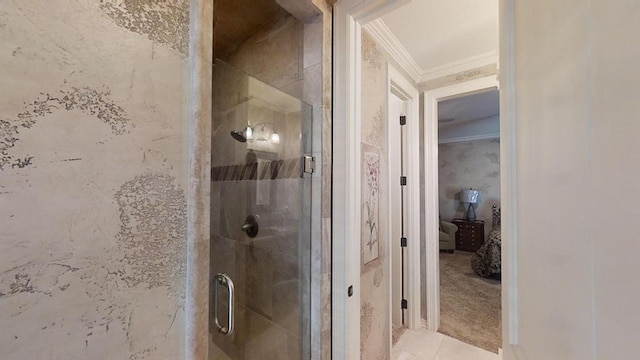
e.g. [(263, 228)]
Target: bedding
[(486, 262)]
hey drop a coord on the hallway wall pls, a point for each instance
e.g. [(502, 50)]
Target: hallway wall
[(576, 125), (374, 283), (92, 179), (374, 280)]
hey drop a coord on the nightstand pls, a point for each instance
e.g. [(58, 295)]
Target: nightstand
[(470, 235)]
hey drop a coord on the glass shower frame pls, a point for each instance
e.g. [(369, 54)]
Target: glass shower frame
[(255, 174)]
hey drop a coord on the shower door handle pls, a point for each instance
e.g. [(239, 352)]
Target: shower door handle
[(224, 280)]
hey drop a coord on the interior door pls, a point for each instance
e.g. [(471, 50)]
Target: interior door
[(260, 220)]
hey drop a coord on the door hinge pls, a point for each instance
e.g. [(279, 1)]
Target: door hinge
[(403, 120), (403, 242), (403, 180), (404, 304), (309, 164)]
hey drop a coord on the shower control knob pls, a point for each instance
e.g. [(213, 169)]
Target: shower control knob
[(250, 226)]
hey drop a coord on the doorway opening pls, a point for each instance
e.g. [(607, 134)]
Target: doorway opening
[(469, 218), (349, 17)]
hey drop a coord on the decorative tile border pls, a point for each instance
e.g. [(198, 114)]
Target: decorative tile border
[(276, 169)]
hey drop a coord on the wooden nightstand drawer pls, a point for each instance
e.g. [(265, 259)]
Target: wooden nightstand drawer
[(470, 234)]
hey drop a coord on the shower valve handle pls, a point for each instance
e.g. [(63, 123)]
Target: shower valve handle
[(250, 226)]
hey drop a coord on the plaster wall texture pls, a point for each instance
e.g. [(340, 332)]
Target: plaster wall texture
[(93, 177)]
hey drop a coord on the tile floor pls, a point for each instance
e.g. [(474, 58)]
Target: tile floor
[(427, 345)]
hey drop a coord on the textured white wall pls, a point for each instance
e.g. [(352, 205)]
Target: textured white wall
[(577, 170), (93, 175), (614, 109)]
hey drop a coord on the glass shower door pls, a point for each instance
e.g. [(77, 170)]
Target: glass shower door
[(260, 220)]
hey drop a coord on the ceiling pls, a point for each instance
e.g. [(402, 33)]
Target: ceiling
[(234, 21), (468, 108), (437, 33)]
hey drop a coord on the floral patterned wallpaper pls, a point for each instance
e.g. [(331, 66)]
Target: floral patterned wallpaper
[(469, 164), (374, 293), (370, 197)]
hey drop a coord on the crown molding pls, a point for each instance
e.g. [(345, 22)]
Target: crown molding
[(390, 43), (469, 138), (459, 66), (364, 11), (385, 38)]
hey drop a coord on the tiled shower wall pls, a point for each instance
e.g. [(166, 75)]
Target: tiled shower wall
[(92, 178), (271, 269)]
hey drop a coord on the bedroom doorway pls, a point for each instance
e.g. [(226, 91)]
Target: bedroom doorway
[(440, 287), (468, 218)]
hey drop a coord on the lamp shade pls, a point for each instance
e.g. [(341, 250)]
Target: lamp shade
[(470, 196)]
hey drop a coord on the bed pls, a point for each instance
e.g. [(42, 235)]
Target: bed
[(486, 261)]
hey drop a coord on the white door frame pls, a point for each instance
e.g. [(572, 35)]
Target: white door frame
[(348, 17), (400, 85), (508, 183), (432, 263)]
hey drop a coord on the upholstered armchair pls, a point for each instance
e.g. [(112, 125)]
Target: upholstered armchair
[(448, 236)]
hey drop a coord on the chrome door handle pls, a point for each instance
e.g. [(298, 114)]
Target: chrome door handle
[(225, 280)]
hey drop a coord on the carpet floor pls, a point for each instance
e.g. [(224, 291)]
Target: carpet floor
[(470, 306)]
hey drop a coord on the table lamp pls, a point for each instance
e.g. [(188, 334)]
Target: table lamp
[(471, 196)]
